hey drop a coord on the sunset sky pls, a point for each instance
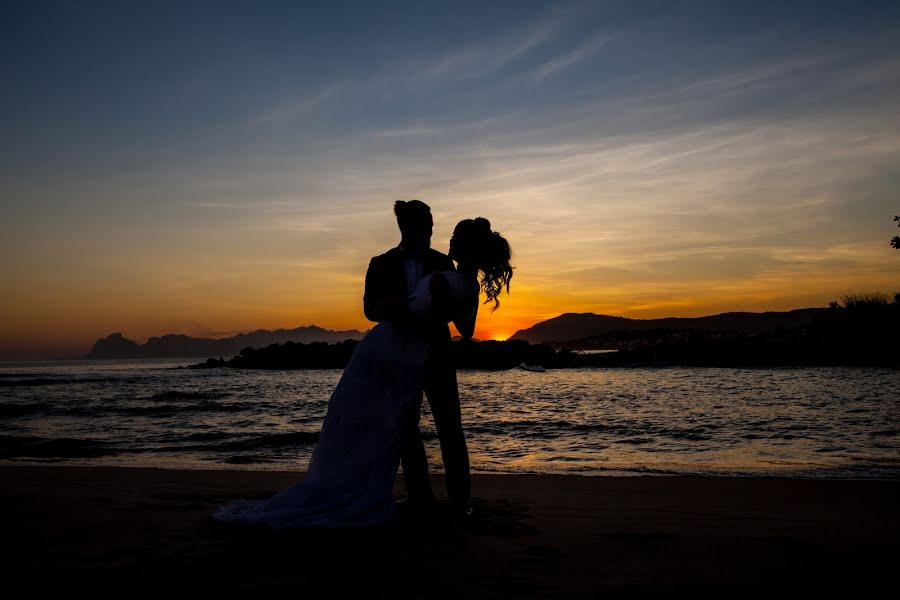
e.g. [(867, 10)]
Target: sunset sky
[(214, 167)]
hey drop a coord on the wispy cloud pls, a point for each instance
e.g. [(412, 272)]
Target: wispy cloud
[(297, 107), (475, 60), (216, 205), (751, 76), (584, 51), (411, 131), (480, 60), (468, 126)]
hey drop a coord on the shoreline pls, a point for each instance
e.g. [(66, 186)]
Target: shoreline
[(611, 473), (147, 530)]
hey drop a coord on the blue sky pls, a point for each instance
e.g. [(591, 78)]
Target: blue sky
[(207, 167)]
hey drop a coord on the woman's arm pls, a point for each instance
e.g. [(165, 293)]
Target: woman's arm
[(466, 314), (466, 325), (446, 308)]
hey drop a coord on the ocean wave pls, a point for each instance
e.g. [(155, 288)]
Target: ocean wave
[(17, 381), (207, 436), (170, 395), (32, 382), (636, 441), (163, 409), (827, 449), (36, 447), (886, 433), (549, 429), (13, 409), (273, 440), (234, 444), (246, 460)]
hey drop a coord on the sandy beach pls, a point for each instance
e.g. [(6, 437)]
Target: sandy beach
[(137, 531)]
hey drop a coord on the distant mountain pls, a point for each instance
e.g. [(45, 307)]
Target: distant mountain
[(184, 346), (570, 327), (856, 334)]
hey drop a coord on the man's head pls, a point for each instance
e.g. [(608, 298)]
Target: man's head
[(414, 220)]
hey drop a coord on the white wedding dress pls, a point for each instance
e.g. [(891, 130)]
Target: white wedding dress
[(351, 474)]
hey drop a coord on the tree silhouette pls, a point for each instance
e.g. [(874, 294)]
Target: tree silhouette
[(896, 241)]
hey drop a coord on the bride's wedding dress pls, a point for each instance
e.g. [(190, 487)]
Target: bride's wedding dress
[(351, 474)]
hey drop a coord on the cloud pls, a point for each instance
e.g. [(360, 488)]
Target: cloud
[(474, 61), (584, 51), (423, 128), (298, 107), (484, 58)]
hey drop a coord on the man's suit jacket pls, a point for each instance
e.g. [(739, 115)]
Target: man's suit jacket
[(386, 292)]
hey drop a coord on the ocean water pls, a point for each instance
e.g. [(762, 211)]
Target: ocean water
[(798, 422)]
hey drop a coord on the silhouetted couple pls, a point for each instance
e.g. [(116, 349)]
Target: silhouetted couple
[(372, 422)]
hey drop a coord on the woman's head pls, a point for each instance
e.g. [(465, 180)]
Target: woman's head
[(474, 245)]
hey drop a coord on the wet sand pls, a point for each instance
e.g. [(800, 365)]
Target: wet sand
[(142, 532)]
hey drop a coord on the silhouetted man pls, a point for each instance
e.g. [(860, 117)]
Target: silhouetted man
[(390, 280)]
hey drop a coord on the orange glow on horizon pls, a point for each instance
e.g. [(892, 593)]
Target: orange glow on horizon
[(59, 314), (66, 335)]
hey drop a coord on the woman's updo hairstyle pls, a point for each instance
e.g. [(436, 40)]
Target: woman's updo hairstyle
[(489, 252)]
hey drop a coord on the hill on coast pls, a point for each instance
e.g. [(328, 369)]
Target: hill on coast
[(184, 346), (574, 329)]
